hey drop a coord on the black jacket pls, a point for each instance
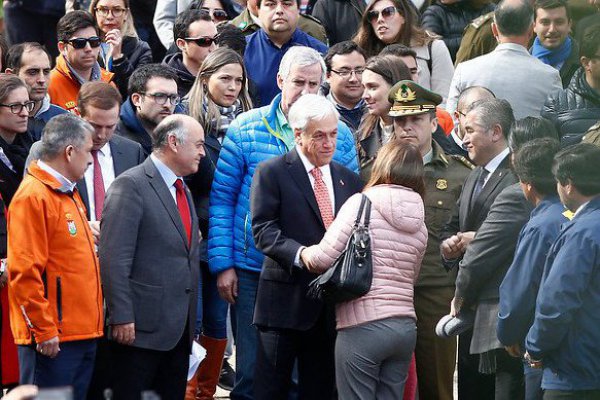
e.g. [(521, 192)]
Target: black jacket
[(185, 80), (136, 53), (449, 21), (573, 110), (571, 65), (341, 18)]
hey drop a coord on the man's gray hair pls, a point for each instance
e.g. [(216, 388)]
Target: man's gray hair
[(310, 107), (62, 131), (493, 112), (300, 56), (170, 126)]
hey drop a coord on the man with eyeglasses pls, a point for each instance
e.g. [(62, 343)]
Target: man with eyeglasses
[(575, 109), (195, 37), (345, 64), (152, 97), (267, 46), (79, 45), (31, 63)]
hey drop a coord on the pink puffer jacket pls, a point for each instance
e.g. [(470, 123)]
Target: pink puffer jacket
[(398, 242)]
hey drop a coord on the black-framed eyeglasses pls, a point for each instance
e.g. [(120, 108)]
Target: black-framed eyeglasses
[(116, 11), (218, 14), (345, 73), (462, 114), (80, 43), (387, 12), (16, 108), (161, 98), (203, 41)]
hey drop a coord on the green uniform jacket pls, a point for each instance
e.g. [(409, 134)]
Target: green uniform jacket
[(444, 178), (477, 39), (306, 23)]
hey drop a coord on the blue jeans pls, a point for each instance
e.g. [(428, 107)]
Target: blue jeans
[(73, 366), (246, 335), (533, 382), (211, 317)]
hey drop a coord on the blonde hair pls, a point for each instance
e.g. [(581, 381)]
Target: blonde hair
[(128, 29), (199, 92)]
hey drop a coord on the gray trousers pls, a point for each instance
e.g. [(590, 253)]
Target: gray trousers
[(372, 360)]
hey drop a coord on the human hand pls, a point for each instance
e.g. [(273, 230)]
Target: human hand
[(227, 284), (4, 276), (95, 227), (532, 363), (451, 248), (306, 260), (124, 333), (465, 238), (514, 350), (49, 348), (23, 392), (455, 306), (115, 40)]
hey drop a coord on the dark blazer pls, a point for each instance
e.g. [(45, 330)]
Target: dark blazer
[(470, 213), (149, 271), (125, 154), (491, 252), (285, 216)]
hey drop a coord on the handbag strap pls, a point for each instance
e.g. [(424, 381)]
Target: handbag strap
[(364, 212)]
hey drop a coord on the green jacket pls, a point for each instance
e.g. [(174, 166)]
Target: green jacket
[(306, 23), (444, 178), (477, 39)]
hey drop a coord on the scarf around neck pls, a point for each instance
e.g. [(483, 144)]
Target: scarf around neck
[(552, 57), (227, 114)]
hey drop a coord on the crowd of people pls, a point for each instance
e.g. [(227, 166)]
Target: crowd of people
[(175, 173)]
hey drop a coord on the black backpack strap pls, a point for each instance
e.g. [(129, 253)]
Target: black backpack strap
[(430, 61)]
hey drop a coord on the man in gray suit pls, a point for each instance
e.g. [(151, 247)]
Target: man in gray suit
[(149, 263), (509, 71)]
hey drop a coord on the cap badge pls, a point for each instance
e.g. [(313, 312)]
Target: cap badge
[(405, 94), (441, 184)]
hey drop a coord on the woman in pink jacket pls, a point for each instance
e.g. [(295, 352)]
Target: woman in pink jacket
[(377, 332)]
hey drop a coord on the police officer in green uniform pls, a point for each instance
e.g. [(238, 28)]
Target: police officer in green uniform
[(413, 111), (477, 39), (247, 21)]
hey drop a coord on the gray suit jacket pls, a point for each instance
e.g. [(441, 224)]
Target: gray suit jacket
[(512, 74), (489, 255), (149, 271)]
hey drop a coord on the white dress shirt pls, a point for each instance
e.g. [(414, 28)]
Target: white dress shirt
[(105, 160), (167, 174), (59, 177), (494, 163), (325, 173)]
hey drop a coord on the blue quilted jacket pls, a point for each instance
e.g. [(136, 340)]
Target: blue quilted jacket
[(251, 138)]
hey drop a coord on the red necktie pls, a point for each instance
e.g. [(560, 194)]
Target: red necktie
[(322, 196), (184, 208), (98, 187)]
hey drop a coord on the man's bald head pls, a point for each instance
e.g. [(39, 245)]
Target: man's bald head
[(514, 17), (473, 94)]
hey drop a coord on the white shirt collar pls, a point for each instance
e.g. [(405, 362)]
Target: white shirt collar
[(45, 106), (496, 161), (308, 165), (165, 172), (105, 150), (60, 177)]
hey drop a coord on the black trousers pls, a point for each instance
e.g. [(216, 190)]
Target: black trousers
[(277, 351), (137, 370), (471, 384), (510, 378)]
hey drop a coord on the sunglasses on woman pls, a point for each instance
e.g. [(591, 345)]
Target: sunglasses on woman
[(387, 12), (203, 41), (80, 43), (218, 14)]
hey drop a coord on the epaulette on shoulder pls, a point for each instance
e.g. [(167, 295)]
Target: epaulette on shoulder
[(479, 21), (314, 19), (463, 160)]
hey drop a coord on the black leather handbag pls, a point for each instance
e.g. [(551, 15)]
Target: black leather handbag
[(351, 274)]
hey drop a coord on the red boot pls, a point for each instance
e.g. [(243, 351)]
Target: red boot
[(210, 368)]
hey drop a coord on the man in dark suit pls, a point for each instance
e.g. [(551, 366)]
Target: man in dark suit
[(293, 201), (486, 125), (149, 263)]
